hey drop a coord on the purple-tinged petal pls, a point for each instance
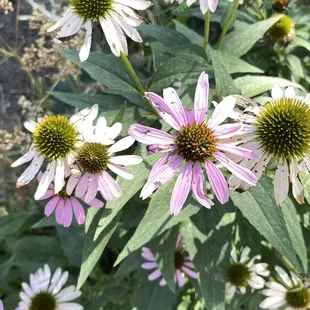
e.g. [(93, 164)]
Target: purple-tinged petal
[(236, 150), (197, 187), (149, 135), (179, 244), (179, 278), (1, 305), (48, 194), (165, 111), (71, 184), (213, 5), (163, 282), (147, 254), (108, 187), (92, 188), (204, 6), (201, 98), (227, 130), (149, 265), (190, 115), (96, 203), (189, 265), (242, 173), (161, 176), (217, 181), (154, 275), (46, 180), (78, 210), (60, 212), (222, 111), (181, 189), (82, 186), (51, 205), (171, 97), (68, 214), (192, 274), (160, 148)]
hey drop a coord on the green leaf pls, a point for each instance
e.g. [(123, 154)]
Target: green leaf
[(301, 42), (259, 207), (224, 83), (166, 36), (251, 85), (181, 68), (207, 236), (93, 248), (240, 41), (157, 219), (295, 231), (190, 34)]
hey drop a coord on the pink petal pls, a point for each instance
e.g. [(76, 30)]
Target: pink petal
[(92, 188), (48, 194), (179, 244), (190, 115), (197, 187), (96, 203), (149, 265), (82, 186), (192, 274), (165, 111), (149, 135), (236, 150), (147, 254), (179, 278), (181, 189), (162, 282), (154, 275), (51, 205), (189, 265), (67, 213), (201, 98), (71, 184), (160, 148), (108, 187), (217, 181), (204, 6), (213, 5), (227, 130), (242, 173), (60, 212), (78, 210)]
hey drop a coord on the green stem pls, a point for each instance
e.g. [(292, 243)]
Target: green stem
[(206, 31), (136, 80), (228, 23)]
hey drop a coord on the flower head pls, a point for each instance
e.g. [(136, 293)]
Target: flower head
[(182, 264), (196, 143), (280, 129), (283, 31), (289, 291), (55, 140), (45, 292), (243, 273), (116, 18), (96, 156), (65, 204)]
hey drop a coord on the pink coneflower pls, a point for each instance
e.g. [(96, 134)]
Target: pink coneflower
[(95, 156), (55, 139), (280, 129), (65, 204), (195, 143), (182, 263)]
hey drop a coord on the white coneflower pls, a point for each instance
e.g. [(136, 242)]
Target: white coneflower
[(115, 17), (244, 273), (45, 292), (55, 139), (280, 129), (290, 292)]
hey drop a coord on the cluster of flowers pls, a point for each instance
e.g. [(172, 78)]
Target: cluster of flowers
[(243, 273), (79, 154)]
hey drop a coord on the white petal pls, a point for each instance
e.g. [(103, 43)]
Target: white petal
[(126, 160), (276, 92), (136, 4), (59, 178), (230, 291), (46, 180), (275, 286), (298, 189), (121, 171), (84, 51), (61, 21), (25, 158), (281, 182), (245, 254), (257, 282), (284, 276), (31, 171), (273, 302), (30, 125), (122, 144), (114, 130), (289, 92)]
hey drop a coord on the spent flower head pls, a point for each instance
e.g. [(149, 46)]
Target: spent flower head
[(280, 129), (196, 142), (283, 31), (55, 141), (116, 18), (182, 263)]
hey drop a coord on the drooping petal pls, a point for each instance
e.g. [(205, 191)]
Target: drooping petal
[(72, 182), (46, 180), (298, 189), (96, 203), (147, 254), (226, 131), (59, 177), (121, 171), (108, 187), (92, 188), (60, 211), (204, 6), (257, 282), (61, 21), (154, 275), (179, 278), (71, 27), (284, 276), (51, 205), (213, 5), (25, 158), (181, 189), (149, 135), (201, 98), (82, 186), (189, 272), (281, 182), (197, 187), (217, 181), (84, 51), (235, 150), (67, 213), (78, 210), (149, 265)]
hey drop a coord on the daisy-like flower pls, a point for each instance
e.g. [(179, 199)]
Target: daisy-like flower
[(289, 291), (45, 292), (116, 18), (65, 204), (244, 272), (95, 156), (182, 262), (195, 143), (55, 140), (280, 129)]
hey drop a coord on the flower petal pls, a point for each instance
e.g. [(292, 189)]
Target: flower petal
[(126, 160), (298, 189), (25, 158), (78, 210), (276, 92), (235, 150), (121, 171), (122, 144), (84, 51), (109, 189), (201, 98), (281, 182), (46, 180)]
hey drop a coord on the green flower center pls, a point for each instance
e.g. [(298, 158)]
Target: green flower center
[(91, 9), (196, 142), (283, 128), (43, 300), (93, 157), (298, 298), (55, 137), (282, 30), (238, 274), (178, 259)]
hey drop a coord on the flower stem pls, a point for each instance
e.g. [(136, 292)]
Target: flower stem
[(206, 31), (136, 80), (228, 23)]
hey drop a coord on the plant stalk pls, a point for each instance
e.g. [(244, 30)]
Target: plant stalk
[(206, 31)]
